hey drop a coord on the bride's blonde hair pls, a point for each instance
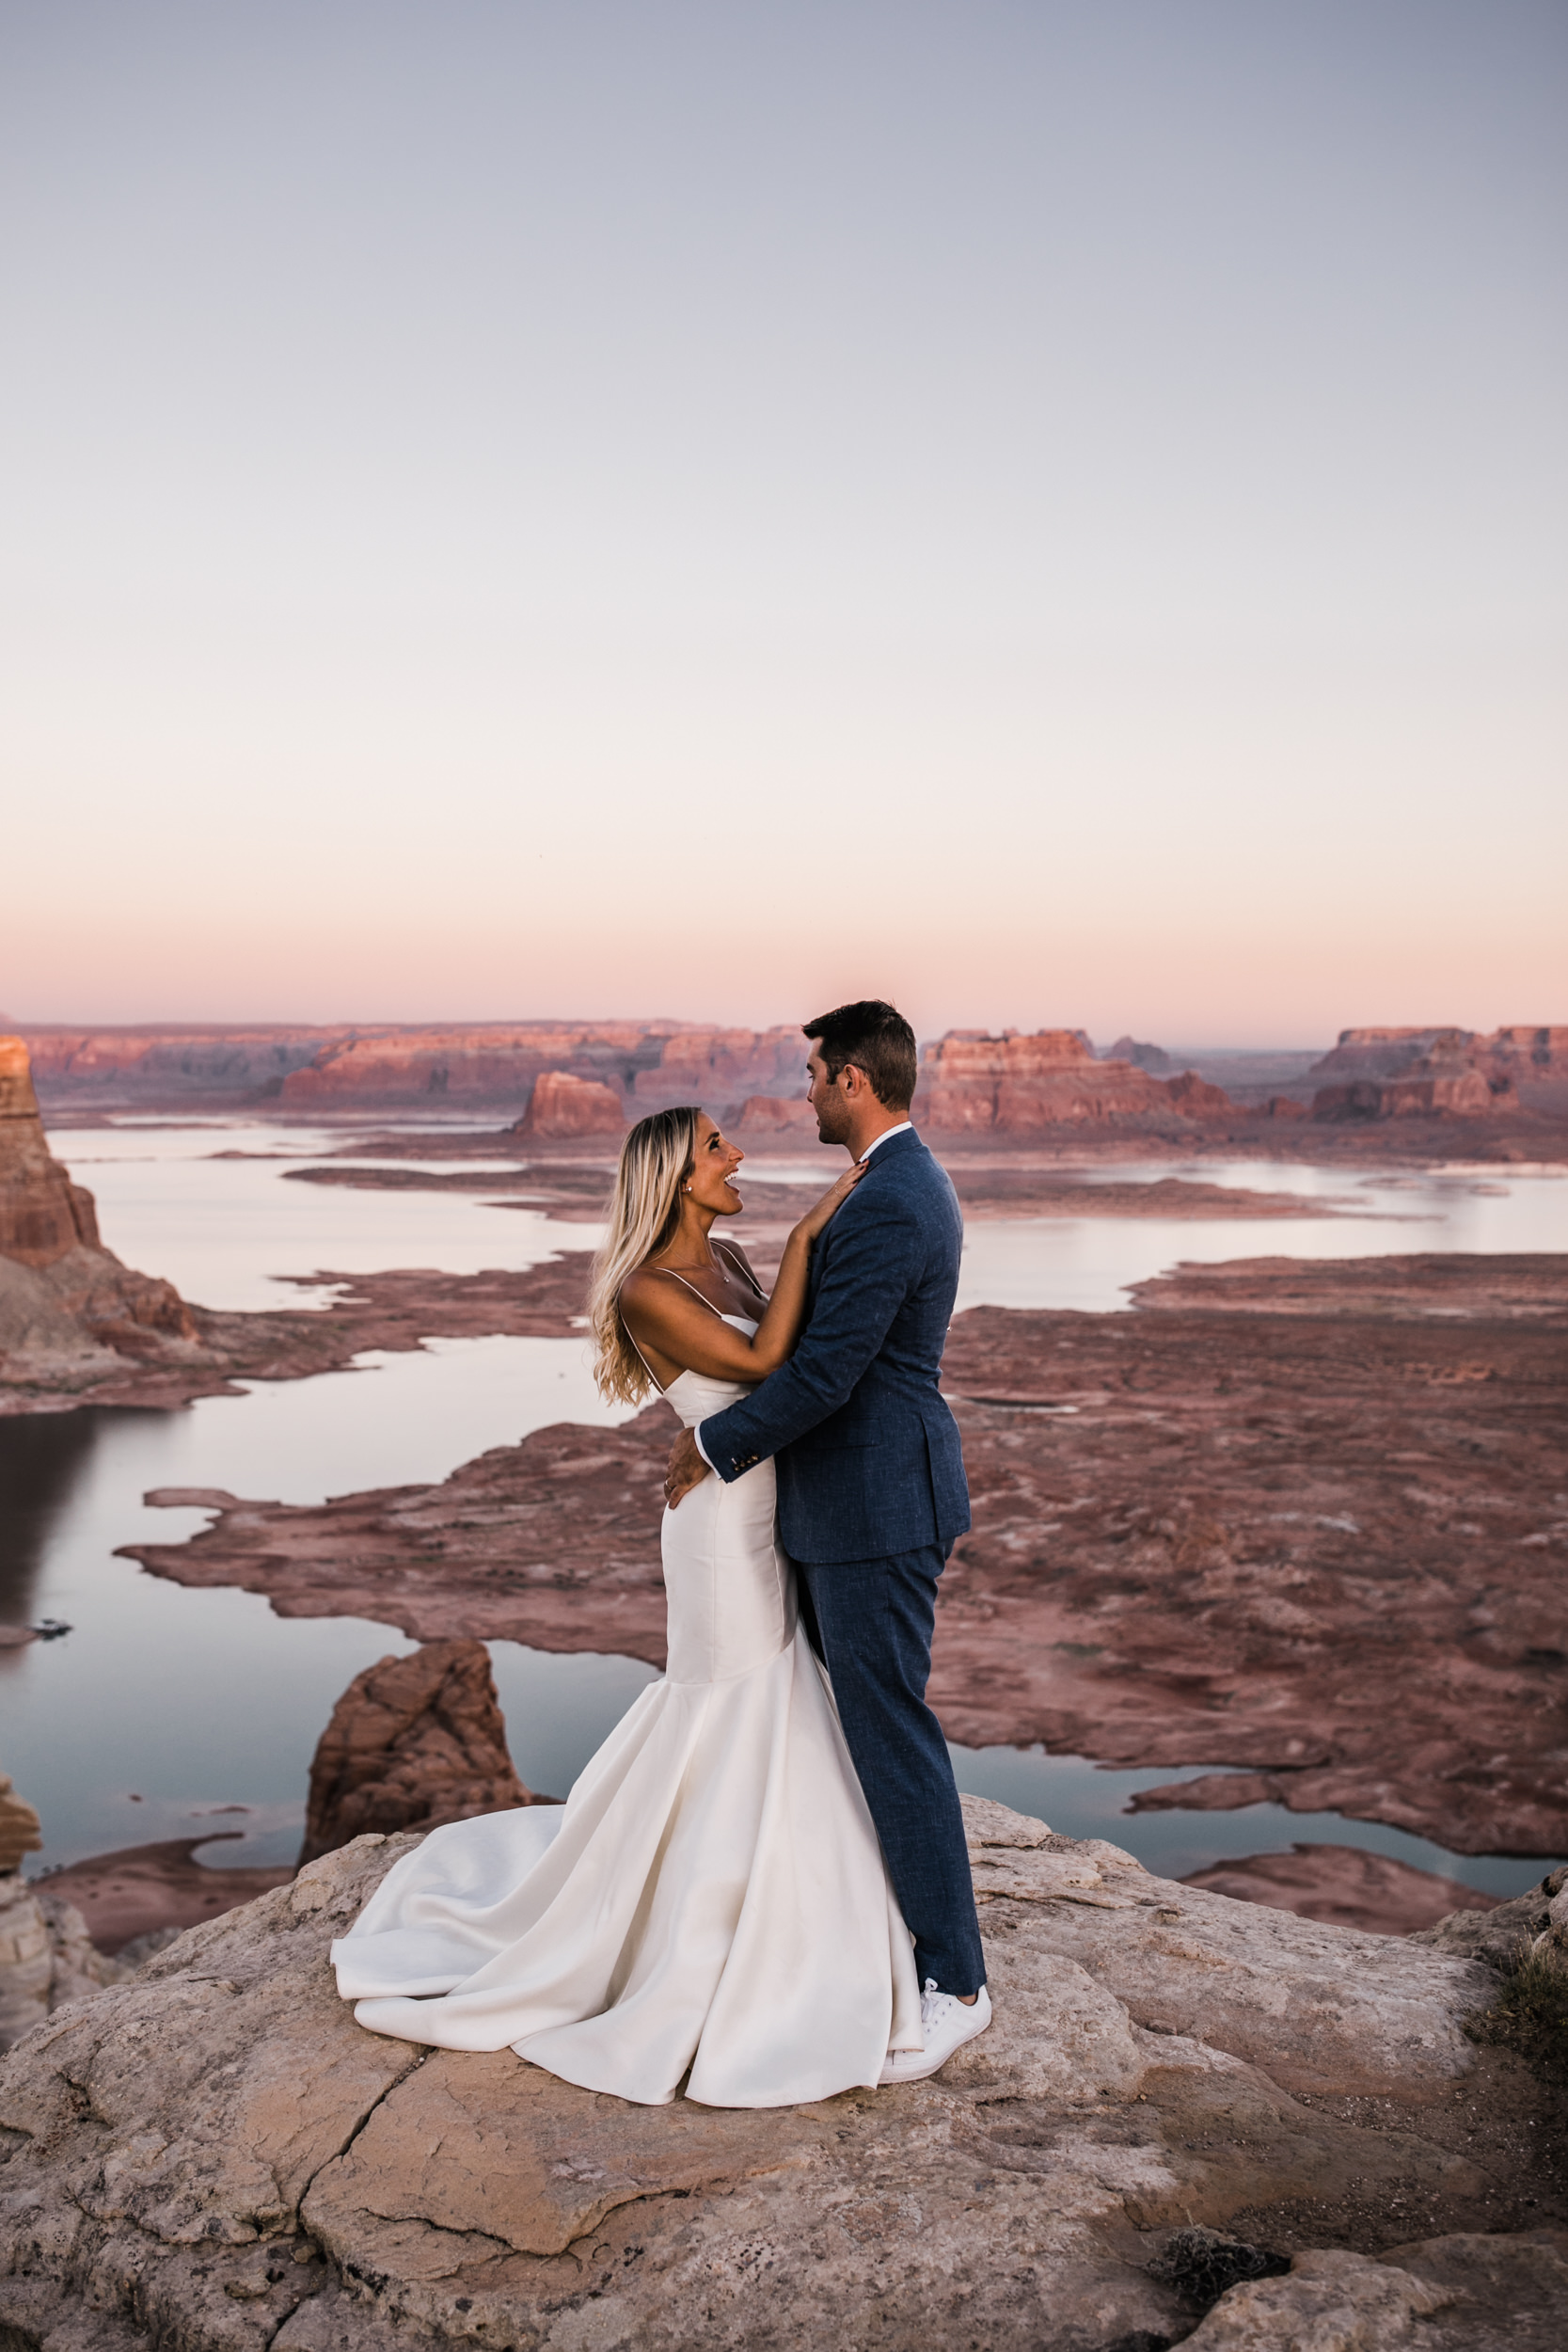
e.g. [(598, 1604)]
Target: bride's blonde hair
[(656, 1159)]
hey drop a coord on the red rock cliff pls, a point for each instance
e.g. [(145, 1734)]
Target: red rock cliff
[(563, 1107), (718, 1067), (43, 1213), (972, 1083), (148, 1064), (1398, 1074), (68, 1306), (490, 1062)]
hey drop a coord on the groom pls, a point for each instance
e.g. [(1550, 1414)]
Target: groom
[(872, 1492)]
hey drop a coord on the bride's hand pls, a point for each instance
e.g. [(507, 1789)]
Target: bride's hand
[(831, 1202)]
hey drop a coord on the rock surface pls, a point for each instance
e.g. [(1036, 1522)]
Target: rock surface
[(1330, 2302), (47, 1957), (20, 1829), (1496, 1935), (1466, 2293), (212, 2157), (413, 1742)]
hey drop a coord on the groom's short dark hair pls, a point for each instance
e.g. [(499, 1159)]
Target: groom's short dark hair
[(877, 1038)]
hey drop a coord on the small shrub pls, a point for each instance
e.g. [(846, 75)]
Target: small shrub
[(1530, 2013), (1201, 2265)]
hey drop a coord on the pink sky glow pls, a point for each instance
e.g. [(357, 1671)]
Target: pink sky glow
[(1055, 514)]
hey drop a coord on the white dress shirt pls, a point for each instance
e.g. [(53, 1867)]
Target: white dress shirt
[(904, 1127)]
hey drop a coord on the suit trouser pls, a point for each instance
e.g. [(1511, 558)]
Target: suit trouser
[(870, 1622)]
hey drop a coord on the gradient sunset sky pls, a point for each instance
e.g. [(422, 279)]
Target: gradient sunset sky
[(1051, 513)]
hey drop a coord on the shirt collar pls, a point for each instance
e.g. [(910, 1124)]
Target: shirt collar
[(905, 1127)]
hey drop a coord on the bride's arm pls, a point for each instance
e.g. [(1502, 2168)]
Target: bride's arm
[(664, 1315)]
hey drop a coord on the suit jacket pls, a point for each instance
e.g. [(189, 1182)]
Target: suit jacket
[(868, 1456)]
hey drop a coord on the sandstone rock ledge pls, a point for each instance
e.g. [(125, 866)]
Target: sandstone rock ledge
[(211, 2158)]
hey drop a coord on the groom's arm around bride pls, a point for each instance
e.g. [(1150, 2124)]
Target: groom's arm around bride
[(870, 1469)]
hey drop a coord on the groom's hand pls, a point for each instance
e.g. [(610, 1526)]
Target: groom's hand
[(686, 1469)]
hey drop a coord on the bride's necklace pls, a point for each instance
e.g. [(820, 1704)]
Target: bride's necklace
[(712, 1265)]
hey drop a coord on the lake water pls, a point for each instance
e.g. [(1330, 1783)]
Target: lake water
[(162, 1707)]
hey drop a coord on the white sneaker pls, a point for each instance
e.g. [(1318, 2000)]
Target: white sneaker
[(948, 2024)]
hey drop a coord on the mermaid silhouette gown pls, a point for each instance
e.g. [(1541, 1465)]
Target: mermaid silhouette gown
[(711, 1896)]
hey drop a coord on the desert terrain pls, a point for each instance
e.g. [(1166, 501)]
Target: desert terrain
[(1291, 1527)]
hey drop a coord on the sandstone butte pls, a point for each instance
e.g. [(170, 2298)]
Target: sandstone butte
[(1180, 2094), (974, 1084), (68, 1306), (561, 1109), (1412, 1073)]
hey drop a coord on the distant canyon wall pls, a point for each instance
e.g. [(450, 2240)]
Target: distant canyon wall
[(1415, 1073), (645, 1064), (160, 1064), (973, 1083), (563, 1081)]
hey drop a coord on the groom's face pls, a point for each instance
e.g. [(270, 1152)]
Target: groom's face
[(835, 1117)]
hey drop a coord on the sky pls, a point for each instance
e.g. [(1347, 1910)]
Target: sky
[(1051, 514)]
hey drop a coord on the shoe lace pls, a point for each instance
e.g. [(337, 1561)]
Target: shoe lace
[(935, 2004)]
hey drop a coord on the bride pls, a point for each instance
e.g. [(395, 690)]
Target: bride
[(710, 1909)]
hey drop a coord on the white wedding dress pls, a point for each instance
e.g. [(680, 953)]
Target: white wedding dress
[(710, 1898)]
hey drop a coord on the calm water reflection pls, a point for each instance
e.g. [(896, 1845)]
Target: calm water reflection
[(162, 1703)]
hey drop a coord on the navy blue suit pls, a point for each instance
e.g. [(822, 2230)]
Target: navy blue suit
[(871, 1497)]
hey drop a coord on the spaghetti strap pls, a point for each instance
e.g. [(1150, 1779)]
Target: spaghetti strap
[(696, 1294), (641, 1358)]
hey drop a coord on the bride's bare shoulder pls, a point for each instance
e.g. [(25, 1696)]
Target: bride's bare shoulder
[(642, 1288)]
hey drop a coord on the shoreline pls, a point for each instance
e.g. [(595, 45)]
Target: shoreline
[(1517, 1139), (395, 1313)]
